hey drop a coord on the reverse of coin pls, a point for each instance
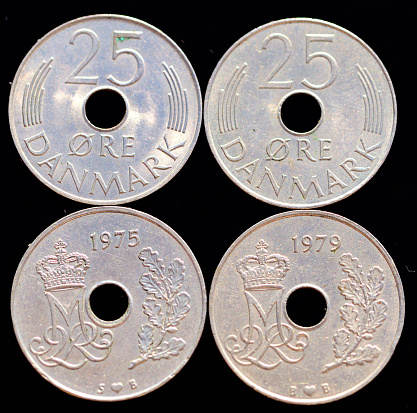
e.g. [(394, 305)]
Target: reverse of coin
[(267, 327), (71, 340), (306, 66), (107, 62)]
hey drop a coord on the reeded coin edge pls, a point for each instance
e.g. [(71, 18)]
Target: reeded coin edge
[(390, 263), (98, 210), (163, 181), (252, 192)]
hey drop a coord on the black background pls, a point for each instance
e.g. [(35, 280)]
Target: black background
[(205, 207)]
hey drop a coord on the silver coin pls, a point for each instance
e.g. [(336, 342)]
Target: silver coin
[(335, 260), (265, 72), (108, 358), (91, 58)]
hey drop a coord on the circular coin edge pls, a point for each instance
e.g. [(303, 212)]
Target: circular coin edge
[(388, 260), (80, 214), (251, 192), (83, 199)]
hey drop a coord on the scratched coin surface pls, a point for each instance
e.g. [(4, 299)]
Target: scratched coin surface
[(108, 358), (276, 263), (105, 61), (270, 71)]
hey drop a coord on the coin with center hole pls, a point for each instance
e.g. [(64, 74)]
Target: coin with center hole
[(105, 109), (300, 113), (108, 303), (306, 307)]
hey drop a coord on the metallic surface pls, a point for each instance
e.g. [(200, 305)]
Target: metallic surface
[(80, 160), (312, 364), (99, 359), (289, 168)]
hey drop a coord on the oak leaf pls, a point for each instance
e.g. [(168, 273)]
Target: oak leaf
[(351, 291), (376, 316), (175, 277), (169, 348), (351, 267), (145, 338), (374, 282), (154, 312), (363, 355), (350, 316), (340, 342), (180, 308), (150, 260), (152, 285)]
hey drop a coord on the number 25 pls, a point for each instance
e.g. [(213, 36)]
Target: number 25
[(268, 83), (118, 35)]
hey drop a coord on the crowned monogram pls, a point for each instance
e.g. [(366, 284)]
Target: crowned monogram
[(266, 341), (70, 340)]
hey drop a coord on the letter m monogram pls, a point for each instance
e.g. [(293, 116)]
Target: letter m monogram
[(256, 310), (55, 305)]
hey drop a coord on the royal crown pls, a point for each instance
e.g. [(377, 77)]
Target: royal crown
[(63, 271), (263, 271)]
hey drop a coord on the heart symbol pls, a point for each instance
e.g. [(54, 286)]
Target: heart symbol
[(116, 387), (309, 390)]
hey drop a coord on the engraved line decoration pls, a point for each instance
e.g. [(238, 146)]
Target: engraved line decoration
[(165, 309), (70, 340), (362, 316), (228, 98), (374, 118), (177, 98), (33, 95), (265, 342)]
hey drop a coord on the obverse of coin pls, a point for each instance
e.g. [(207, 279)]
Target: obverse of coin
[(308, 66), (63, 105), (63, 332), (267, 300)]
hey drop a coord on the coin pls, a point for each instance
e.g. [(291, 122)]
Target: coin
[(299, 353), (62, 330), (308, 66), (105, 109)]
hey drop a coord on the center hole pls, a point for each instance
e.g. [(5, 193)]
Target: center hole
[(108, 302), (105, 108), (300, 112), (306, 306)]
